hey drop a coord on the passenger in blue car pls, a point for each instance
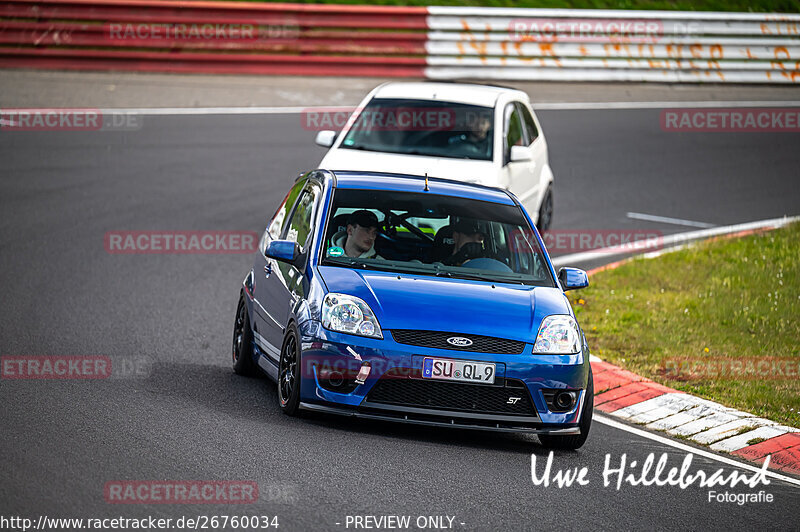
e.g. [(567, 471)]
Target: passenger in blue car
[(468, 236), (358, 240)]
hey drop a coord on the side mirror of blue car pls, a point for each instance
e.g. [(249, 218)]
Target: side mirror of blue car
[(284, 251), (572, 278)]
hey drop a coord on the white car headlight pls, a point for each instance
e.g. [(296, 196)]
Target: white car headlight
[(349, 314), (558, 335)]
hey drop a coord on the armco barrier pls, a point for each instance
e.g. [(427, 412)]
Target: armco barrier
[(213, 37), (433, 42)]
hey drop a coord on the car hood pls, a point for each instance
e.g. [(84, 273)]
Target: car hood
[(467, 170), (449, 305)]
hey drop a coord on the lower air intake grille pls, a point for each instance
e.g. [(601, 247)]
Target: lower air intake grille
[(507, 396)]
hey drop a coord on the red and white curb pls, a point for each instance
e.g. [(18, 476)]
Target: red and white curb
[(625, 395), (635, 399)]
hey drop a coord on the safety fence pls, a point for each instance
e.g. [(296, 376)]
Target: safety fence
[(419, 42)]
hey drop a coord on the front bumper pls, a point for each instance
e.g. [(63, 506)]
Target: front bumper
[(439, 418), (524, 376)]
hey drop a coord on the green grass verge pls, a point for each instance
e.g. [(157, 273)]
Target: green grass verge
[(717, 301), (768, 6)]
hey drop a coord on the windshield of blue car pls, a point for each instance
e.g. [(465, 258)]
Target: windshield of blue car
[(423, 127), (422, 233)]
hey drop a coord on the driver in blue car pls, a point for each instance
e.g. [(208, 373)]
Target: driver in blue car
[(358, 240), (468, 236)]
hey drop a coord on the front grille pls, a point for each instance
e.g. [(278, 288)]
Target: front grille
[(438, 340), (394, 388)]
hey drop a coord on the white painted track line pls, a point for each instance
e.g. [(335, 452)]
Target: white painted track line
[(578, 106), (667, 220), (175, 111), (689, 449), (554, 106)]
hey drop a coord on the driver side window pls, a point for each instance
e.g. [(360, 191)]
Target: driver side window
[(299, 227), (275, 227)]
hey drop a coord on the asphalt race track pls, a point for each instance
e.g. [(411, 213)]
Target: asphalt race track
[(178, 411)]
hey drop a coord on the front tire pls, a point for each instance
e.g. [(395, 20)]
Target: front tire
[(242, 350), (289, 373), (576, 441)]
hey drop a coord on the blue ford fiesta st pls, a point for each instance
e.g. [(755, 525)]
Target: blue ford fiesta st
[(417, 300)]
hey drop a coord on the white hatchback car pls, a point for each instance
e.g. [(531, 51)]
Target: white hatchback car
[(449, 130)]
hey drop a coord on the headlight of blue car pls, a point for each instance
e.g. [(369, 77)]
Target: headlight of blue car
[(351, 315), (558, 335)]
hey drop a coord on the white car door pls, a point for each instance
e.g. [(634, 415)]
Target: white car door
[(538, 150), (521, 174)]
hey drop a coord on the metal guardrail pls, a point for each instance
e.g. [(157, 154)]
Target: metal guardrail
[(213, 37), (434, 42)]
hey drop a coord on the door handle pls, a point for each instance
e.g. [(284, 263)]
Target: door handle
[(267, 269)]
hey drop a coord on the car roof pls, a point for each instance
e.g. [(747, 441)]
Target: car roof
[(411, 183), (466, 93)]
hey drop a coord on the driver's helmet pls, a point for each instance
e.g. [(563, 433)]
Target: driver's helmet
[(469, 226)]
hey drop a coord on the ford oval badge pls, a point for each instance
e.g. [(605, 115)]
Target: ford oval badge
[(459, 341)]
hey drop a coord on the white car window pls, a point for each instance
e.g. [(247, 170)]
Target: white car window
[(512, 129), (530, 125)]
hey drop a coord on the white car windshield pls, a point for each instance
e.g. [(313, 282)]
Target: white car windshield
[(423, 127)]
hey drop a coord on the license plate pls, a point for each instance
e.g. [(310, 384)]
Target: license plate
[(458, 370)]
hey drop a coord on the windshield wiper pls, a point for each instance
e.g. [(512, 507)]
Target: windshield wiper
[(494, 278), (473, 276), (439, 270), (358, 147), (376, 266), (346, 261)]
